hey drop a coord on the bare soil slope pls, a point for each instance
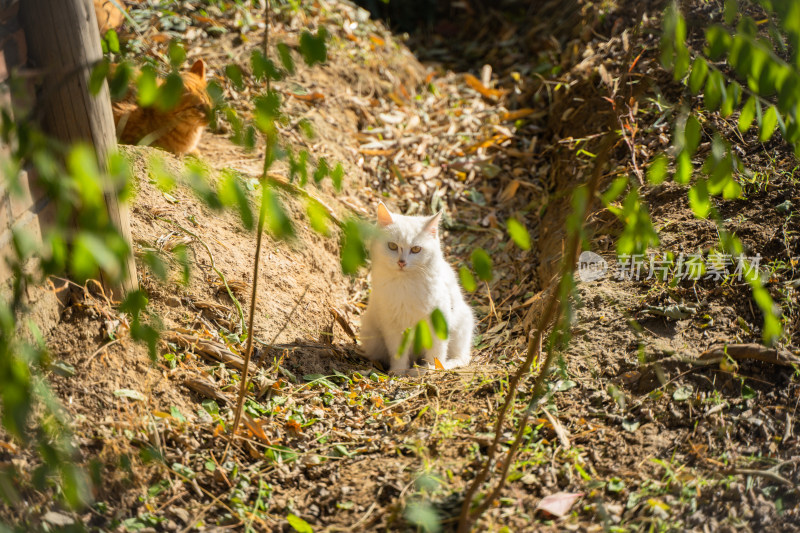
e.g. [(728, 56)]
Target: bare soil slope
[(333, 441)]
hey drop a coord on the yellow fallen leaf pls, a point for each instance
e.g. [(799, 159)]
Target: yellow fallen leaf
[(311, 97), (438, 364), (517, 114), (476, 84), (509, 192), (367, 151), (255, 428)]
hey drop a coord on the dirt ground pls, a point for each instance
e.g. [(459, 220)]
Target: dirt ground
[(650, 438)]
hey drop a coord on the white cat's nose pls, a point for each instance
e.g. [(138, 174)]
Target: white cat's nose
[(401, 263)]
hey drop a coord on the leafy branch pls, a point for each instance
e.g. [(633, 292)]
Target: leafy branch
[(551, 314)]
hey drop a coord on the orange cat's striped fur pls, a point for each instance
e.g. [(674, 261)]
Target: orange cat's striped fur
[(177, 130)]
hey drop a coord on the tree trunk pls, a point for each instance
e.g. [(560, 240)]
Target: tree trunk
[(64, 42)]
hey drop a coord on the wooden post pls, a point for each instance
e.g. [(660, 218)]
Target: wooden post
[(64, 42)]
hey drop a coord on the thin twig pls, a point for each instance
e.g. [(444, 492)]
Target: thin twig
[(769, 474), (100, 350), (261, 219)]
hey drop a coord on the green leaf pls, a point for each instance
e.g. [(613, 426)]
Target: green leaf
[(181, 253), (120, 81), (422, 337), (719, 41), (730, 11), (299, 167), (278, 222), (423, 516), (683, 168), (615, 484), (657, 171), (268, 109), (519, 234), (16, 397), (747, 392), (616, 188), (439, 324), (75, 486), (748, 114), (698, 75), (353, 250), (682, 59), (82, 165), (467, 280), (134, 303), (768, 123), (789, 95), (692, 133), (733, 95), (112, 40), (177, 54), (264, 68), (318, 217), (232, 193), (234, 73), (285, 55), (771, 77), (170, 92), (313, 48), (156, 265), (401, 349), (482, 264), (322, 170), (715, 89), (98, 76), (699, 199), (298, 524), (90, 254), (147, 86), (731, 190), (197, 177), (336, 176)]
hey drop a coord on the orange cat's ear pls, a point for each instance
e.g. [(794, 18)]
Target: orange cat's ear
[(384, 216), (199, 68)]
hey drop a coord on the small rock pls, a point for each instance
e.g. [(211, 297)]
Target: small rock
[(173, 301)]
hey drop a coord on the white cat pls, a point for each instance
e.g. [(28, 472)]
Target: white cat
[(410, 278)]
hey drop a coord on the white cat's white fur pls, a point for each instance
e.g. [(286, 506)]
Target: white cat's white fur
[(410, 278)]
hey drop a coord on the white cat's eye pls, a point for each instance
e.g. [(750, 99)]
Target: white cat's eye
[(392, 246), (415, 249)]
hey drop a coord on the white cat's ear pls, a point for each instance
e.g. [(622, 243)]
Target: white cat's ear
[(432, 226), (384, 216)]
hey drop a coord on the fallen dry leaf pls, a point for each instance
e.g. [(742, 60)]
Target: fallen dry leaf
[(310, 97), (517, 114), (508, 192), (255, 428), (484, 91), (558, 504)]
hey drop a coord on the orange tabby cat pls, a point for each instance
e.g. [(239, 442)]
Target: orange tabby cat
[(109, 17), (177, 130)]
